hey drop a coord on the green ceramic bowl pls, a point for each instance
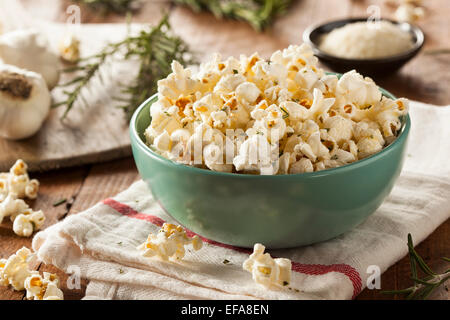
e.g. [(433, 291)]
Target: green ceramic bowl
[(278, 211)]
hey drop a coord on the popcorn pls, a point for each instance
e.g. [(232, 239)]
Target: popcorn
[(32, 188), (169, 243), (162, 142), (344, 156), (69, 48), (358, 90), (18, 182), (12, 206), (19, 168), (255, 155), (177, 83), (267, 271), (28, 222), (214, 160), (286, 115), (339, 128), (3, 280), (229, 83), (15, 269), (3, 189), (301, 166), (408, 12), (368, 146), (247, 92), (14, 186), (43, 288)]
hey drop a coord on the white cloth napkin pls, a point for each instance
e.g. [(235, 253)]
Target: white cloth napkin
[(102, 241)]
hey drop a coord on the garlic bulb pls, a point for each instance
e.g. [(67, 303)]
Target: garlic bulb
[(24, 102), (30, 50)]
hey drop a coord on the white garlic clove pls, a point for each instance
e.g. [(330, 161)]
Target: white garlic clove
[(30, 50), (24, 102)]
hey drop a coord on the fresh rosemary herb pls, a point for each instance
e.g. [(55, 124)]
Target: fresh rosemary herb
[(114, 6), (59, 202), (421, 288), (155, 49), (286, 114), (258, 13)]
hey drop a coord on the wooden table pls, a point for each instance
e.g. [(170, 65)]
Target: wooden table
[(425, 79)]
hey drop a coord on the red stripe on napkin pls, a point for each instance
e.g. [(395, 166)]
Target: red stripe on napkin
[(310, 269)]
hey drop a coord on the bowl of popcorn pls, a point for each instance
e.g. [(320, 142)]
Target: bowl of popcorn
[(279, 152)]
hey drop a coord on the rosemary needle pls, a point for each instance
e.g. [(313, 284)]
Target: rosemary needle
[(59, 202), (155, 49), (422, 288)]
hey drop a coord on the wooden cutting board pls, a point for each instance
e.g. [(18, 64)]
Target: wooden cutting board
[(94, 133)]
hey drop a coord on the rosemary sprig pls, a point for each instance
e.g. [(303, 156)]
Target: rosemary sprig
[(155, 49), (258, 13), (422, 288), (115, 6)]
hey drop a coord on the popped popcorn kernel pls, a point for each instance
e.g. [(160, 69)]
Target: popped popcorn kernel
[(14, 270), (43, 288), (267, 271), (69, 48), (169, 243), (29, 221)]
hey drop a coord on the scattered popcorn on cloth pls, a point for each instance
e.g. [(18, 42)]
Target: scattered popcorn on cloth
[(102, 241), (266, 270), (169, 243)]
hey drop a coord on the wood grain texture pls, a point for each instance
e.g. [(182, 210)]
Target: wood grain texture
[(98, 185), (94, 133), (55, 185), (84, 186), (398, 276)]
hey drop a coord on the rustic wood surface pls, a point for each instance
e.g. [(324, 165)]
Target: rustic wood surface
[(94, 133), (425, 79)]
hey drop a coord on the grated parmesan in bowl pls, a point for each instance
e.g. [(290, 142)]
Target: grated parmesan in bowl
[(363, 40)]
